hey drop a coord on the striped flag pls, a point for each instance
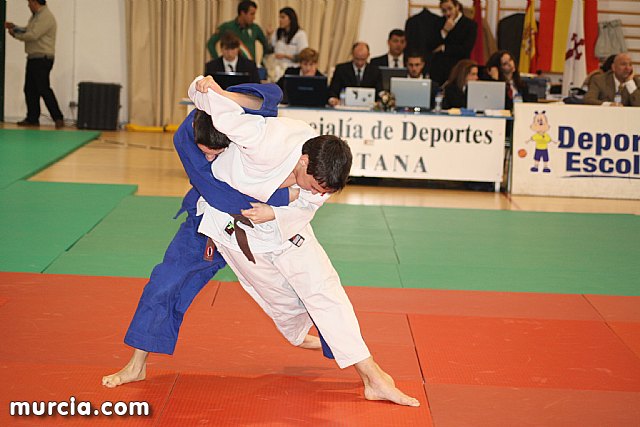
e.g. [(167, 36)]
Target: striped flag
[(575, 66), (477, 54), (553, 30), (554, 26), (528, 47)]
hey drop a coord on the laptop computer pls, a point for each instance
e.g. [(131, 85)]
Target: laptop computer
[(388, 72), (483, 96), (306, 91), (362, 97), (231, 79), (411, 93)]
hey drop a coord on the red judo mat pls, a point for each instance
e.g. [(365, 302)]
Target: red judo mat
[(472, 358)]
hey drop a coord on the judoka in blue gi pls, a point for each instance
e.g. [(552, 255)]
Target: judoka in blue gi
[(191, 260), (290, 275)]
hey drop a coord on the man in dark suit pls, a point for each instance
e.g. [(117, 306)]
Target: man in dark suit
[(355, 73), (619, 80), (231, 61), (395, 57), (457, 37)]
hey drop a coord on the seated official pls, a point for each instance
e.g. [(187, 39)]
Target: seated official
[(231, 61), (394, 57), (455, 88), (619, 80), (502, 65), (355, 73), (308, 67), (416, 66), (604, 67)]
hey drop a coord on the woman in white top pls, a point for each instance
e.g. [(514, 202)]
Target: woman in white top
[(287, 42)]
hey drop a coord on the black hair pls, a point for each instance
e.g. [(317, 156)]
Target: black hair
[(244, 6), (329, 161), (397, 32), (414, 54), (293, 25), (495, 60), (606, 65), (206, 134)]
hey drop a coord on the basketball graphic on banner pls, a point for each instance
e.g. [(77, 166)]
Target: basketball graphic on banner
[(522, 153)]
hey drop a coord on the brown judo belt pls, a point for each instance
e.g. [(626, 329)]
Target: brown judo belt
[(241, 235)]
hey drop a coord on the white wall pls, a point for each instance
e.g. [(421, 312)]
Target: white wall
[(377, 19), (90, 46)]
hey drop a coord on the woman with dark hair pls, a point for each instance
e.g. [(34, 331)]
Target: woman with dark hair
[(502, 67), (455, 89), (288, 41), (457, 37)]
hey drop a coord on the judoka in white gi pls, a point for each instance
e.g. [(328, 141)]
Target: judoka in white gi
[(292, 278)]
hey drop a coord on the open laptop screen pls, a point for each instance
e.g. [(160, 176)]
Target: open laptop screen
[(411, 93), (485, 95), (306, 91), (231, 79), (388, 72)]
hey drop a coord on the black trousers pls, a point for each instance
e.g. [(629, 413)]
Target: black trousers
[(36, 86)]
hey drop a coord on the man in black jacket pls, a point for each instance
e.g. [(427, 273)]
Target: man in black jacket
[(422, 32), (395, 57), (231, 61), (355, 73), (457, 37)]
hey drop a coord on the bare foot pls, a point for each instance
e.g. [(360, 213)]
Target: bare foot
[(311, 343), (135, 370), (378, 385)]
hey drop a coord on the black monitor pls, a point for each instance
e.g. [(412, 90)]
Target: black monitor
[(231, 79), (306, 91), (388, 72)]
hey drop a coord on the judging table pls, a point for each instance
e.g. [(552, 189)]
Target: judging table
[(415, 145)]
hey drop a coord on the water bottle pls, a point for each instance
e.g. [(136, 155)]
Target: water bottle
[(618, 98), (438, 99), (547, 89), (343, 96)]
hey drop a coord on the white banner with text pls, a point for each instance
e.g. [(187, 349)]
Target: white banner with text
[(422, 146), (576, 151)]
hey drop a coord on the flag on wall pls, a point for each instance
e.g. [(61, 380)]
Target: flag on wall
[(477, 54), (553, 31), (591, 33), (575, 66), (528, 47)]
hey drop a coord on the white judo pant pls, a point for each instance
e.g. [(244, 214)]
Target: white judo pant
[(298, 284)]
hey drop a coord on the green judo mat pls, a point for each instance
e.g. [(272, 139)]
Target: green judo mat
[(25, 152), (406, 247), (41, 220)]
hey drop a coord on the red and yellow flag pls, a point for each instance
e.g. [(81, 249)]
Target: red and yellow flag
[(528, 47), (554, 30)]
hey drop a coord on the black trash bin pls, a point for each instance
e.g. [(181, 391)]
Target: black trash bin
[(98, 105)]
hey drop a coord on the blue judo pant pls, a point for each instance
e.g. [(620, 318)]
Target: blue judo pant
[(184, 271), (173, 285)]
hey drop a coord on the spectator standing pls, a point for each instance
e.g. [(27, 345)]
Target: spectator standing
[(457, 36), (355, 73), (246, 30), (39, 37), (287, 41), (394, 57)]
